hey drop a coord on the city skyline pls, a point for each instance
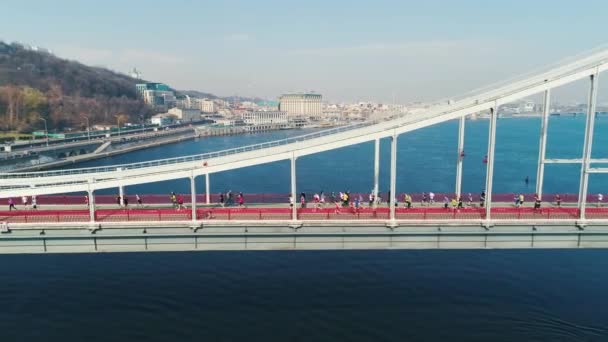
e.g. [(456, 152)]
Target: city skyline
[(391, 52)]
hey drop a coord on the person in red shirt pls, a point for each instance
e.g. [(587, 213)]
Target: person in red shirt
[(241, 199), (180, 202)]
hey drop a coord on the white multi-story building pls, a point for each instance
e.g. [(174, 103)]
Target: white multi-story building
[(265, 118), (301, 105), (185, 114), (206, 106)]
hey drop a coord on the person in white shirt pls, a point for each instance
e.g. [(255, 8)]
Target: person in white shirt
[(24, 201), (431, 197), (600, 198)]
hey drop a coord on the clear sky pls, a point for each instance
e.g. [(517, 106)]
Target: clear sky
[(347, 50)]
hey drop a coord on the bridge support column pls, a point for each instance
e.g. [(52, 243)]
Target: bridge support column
[(376, 170), (91, 195), (121, 191), (294, 208), (589, 127), (490, 159), (193, 196), (458, 189), (393, 192), (207, 189), (542, 146)]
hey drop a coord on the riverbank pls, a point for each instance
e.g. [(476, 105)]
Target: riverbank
[(93, 156)]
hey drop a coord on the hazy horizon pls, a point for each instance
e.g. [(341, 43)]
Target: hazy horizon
[(347, 51)]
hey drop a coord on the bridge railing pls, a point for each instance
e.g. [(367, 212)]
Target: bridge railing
[(305, 214), (283, 198)]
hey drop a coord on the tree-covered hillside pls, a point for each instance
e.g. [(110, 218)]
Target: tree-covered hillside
[(37, 84)]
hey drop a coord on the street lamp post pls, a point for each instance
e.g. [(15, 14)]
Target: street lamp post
[(46, 131), (118, 123), (88, 127)]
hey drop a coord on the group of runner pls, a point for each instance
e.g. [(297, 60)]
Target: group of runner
[(121, 201), (25, 201), (340, 200), (227, 200)]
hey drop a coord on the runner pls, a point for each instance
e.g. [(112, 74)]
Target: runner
[(229, 198), (241, 199), (11, 204), (408, 201), (222, 199), (25, 203), (470, 199), (446, 202), (34, 202), (482, 199), (173, 200), (558, 200), (431, 198), (536, 201), (600, 198), (316, 199), (140, 203), (180, 202)]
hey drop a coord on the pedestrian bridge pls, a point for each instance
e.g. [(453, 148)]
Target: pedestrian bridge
[(383, 224)]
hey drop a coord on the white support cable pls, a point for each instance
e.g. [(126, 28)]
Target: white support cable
[(393, 180), (207, 189), (597, 170), (587, 146), (460, 156), (91, 202), (376, 170), (294, 208), (193, 196), (490, 160), (542, 146)]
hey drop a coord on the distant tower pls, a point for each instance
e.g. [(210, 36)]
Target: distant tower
[(135, 74)]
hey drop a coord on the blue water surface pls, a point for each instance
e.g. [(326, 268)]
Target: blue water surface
[(385, 295)]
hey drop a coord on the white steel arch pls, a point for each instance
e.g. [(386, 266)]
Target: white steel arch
[(91, 179)]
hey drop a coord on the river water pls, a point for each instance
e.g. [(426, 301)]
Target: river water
[(386, 295)]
